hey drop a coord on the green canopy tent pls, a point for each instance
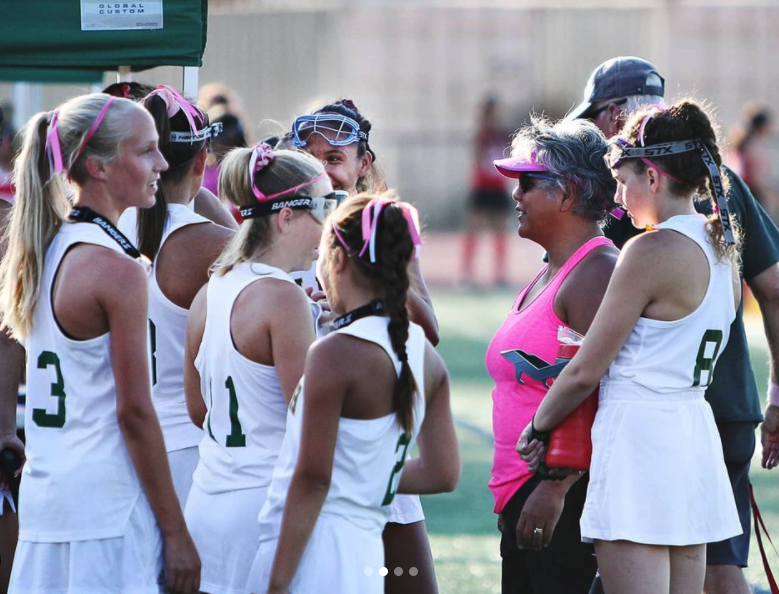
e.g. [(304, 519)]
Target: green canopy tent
[(32, 74), (43, 41), (48, 35)]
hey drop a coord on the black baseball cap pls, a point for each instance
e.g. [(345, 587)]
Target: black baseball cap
[(623, 76)]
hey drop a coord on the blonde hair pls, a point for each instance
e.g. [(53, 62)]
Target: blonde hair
[(287, 170), (41, 199)]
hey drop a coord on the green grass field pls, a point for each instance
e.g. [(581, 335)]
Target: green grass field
[(461, 524)]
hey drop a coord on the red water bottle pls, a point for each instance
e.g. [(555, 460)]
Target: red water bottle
[(570, 444)]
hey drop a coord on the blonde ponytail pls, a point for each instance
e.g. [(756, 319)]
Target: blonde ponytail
[(36, 217), (42, 204)]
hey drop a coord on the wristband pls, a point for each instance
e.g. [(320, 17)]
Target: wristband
[(543, 436), (773, 393)]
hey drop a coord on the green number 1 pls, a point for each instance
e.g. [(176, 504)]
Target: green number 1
[(392, 485), (704, 363), (236, 439), (39, 415)]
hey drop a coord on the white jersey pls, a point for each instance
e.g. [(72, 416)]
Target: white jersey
[(167, 334), (680, 355), (79, 482), (369, 454), (246, 407), (307, 278)]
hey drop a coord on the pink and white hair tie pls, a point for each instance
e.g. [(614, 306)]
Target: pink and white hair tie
[(262, 155), (176, 103), (370, 225)]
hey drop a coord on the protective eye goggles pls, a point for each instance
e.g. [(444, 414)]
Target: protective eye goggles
[(336, 129), (320, 207)]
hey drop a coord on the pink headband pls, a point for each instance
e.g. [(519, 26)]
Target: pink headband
[(262, 155), (176, 103), (370, 225), (53, 146), (657, 109)]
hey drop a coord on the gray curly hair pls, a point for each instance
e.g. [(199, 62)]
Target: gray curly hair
[(573, 152)]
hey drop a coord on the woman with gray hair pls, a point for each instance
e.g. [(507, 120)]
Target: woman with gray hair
[(564, 192)]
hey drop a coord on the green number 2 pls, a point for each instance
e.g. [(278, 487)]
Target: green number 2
[(704, 363), (392, 485), (236, 439), (39, 415)]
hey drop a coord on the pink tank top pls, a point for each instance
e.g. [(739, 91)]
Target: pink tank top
[(534, 330)]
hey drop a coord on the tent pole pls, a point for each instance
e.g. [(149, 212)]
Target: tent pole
[(27, 100), (190, 82), (124, 74)]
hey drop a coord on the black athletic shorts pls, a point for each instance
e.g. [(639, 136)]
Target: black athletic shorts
[(738, 445), (566, 566), (490, 200)]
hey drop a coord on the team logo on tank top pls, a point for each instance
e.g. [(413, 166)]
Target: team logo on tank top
[(534, 367)]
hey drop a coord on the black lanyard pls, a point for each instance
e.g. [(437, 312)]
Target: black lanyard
[(374, 308), (84, 214)]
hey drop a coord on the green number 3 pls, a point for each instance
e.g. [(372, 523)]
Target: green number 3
[(39, 415), (392, 485), (704, 363)]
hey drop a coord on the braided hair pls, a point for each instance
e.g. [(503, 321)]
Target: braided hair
[(389, 277)]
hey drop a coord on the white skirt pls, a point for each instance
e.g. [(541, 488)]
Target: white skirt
[(226, 533), (340, 557), (182, 467), (657, 475), (406, 509), (129, 564)]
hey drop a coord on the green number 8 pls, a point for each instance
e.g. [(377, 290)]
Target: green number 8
[(704, 363)]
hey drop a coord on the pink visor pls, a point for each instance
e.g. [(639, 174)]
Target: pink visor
[(514, 167)]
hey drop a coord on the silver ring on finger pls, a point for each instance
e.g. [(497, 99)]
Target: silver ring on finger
[(538, 531)]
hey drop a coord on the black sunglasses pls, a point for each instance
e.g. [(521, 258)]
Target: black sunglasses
[(527, 180), (596, 112)]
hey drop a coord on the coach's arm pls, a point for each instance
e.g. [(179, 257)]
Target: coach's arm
[(765, 287)]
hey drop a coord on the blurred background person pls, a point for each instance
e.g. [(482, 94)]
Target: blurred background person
[(489, 201), (751, 141), (222, 106), (232, 136)]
